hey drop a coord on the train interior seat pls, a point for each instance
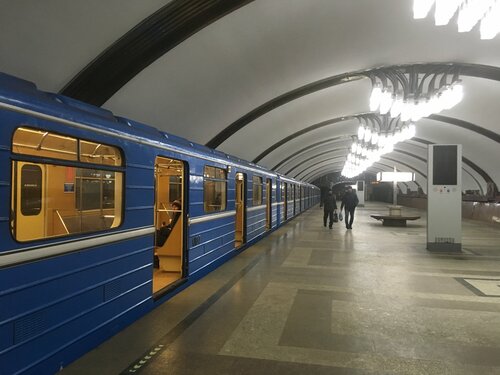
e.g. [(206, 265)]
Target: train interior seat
[(169, 254)]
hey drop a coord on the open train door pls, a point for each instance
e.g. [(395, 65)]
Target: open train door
[(240, 206), (284, 197), (269, 203), (170, 196)]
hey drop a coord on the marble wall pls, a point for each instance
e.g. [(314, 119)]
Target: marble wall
[(489, 212)]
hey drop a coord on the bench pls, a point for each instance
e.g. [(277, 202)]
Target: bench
[(394, 220)]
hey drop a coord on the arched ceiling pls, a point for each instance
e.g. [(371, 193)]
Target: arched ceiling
[(278, 82)]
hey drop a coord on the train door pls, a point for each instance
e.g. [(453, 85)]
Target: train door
[(240, 205), (302, 199), (299, 190), (269, 203), (30, 207), (170, 195), (284, 198)]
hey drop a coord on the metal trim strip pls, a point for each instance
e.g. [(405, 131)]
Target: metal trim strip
[(256, 208), (34, 253), (204, 218)]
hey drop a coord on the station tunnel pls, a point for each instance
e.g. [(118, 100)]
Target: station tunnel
[(238, 119)]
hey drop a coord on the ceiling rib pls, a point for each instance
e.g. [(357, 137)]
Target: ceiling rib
[(445, 119), (383, 157), (402, 152), (144, 44), (288, 158), (451, 120), (471, 70)]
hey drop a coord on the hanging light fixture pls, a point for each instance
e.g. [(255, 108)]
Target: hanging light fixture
[(470, 12), (414, 94), (376, 136)]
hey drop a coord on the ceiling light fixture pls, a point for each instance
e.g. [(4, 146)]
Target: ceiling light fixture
[(414, 94), (376, 136), (470, 12)]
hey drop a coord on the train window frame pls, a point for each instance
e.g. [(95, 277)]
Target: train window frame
[(64, 190), (36, 148), (77, 152), (87, 178), (219, 180), (97, 153), (257, 194)]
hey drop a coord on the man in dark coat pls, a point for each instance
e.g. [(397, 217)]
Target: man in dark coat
[(329, 206), (350, 201), (163, 233)]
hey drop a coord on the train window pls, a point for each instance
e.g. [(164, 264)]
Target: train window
[(95, 189), (56, 200), (214, 189), (98, 153), (44, 144), (52, 200), (175, 185), (257, 190)]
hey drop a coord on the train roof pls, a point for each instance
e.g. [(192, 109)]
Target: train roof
[(21, 93)]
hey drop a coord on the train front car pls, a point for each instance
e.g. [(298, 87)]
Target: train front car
[(103, 218), (75, 261)]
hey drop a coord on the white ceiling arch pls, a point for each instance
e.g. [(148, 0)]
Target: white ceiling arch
[(255, 53)]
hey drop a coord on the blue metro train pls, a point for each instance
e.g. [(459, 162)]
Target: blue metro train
[(83, 197)]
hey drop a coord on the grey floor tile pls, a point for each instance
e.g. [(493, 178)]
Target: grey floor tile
[(310, 300)]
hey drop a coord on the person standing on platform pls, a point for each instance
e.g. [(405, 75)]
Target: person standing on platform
[(350, 201), (329, 206)]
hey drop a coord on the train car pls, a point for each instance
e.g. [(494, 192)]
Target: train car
[(103, 218)]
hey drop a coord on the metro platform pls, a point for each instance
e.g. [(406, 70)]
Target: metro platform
[(313, 300)]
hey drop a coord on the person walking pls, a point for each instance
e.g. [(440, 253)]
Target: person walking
[(329, 206), (350, 201)]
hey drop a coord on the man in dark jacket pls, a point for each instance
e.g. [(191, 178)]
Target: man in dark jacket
[(350, 201), (163, 233), (329, 206)]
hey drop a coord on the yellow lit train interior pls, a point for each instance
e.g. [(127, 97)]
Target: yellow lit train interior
[(51, 200), (168, 256)]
